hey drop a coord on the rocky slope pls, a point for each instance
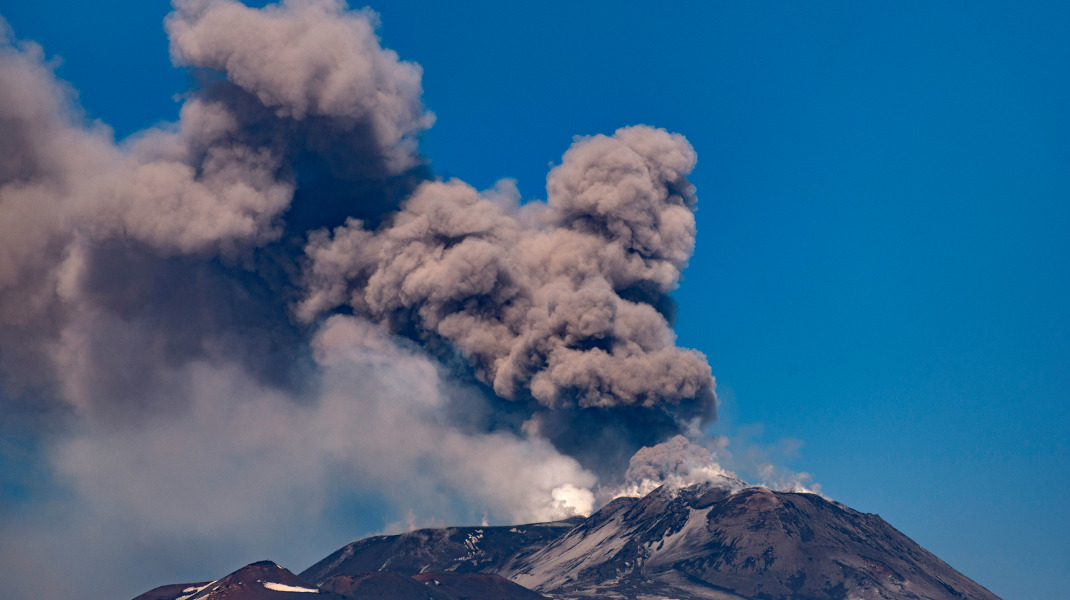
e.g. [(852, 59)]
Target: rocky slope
[(262, 580), (701, 542), (454, 549)]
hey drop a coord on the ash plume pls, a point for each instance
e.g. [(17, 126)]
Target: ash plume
[(533, 297), (274, 294)]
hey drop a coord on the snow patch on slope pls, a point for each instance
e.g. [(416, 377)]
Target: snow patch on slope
[(281, 587), (563, 560), (194, 590), (680, 544)]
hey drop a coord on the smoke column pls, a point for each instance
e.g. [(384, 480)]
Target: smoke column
[(272, 302)]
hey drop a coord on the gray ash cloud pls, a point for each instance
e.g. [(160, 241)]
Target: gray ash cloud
[(283, 248), (203, 238)]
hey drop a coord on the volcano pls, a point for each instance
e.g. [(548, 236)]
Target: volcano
[(699, 542)]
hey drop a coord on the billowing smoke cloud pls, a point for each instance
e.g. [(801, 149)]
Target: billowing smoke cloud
[(540, 300), (536, 304), (259, 451), (680, 462), (270, 308), (677, 462), (119, 260), (314, 64), (249, 471)]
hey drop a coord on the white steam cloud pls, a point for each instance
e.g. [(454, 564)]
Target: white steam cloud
[(256, 451), (680, 462), (677, 462)]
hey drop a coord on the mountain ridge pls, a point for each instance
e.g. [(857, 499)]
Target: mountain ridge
[(701, 542)]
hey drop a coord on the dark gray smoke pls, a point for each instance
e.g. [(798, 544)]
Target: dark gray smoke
[(532, 296), (120, 262), (180, 243), (274, 294)]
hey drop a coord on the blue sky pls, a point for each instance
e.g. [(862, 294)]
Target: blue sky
[(882, 268)]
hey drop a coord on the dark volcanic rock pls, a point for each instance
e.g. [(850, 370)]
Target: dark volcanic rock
[(262, 580), (476, 586), (432, 585), (455, 549), (171, 592), (384, 585), (701, 543)]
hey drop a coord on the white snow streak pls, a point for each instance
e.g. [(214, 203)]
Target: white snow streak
[(573, 553), (194, 590), (679, 543), (280, 587)]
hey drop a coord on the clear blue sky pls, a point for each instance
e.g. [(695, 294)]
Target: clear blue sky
[(883, 261)]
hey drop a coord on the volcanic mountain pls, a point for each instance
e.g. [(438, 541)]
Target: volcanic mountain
[(699, 542), (259, 580)]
